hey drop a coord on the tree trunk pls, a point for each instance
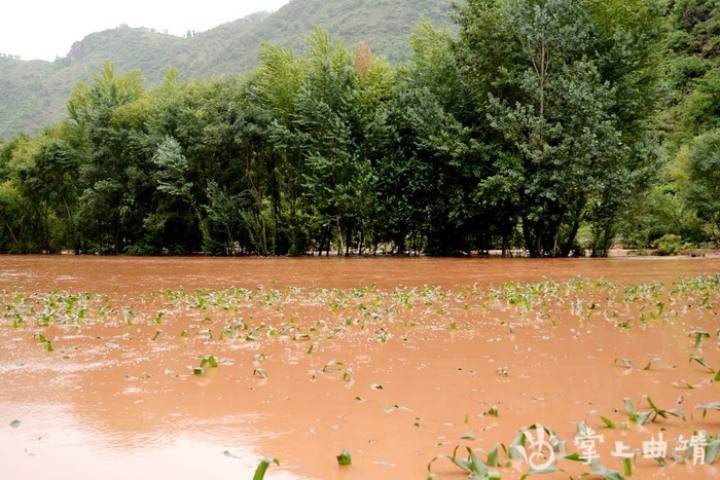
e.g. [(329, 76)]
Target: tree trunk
[(532, 240), (361, 247), (568, 246), (341, 243), (348, 239)]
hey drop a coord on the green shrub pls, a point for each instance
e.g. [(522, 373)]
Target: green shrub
[(669, 244)]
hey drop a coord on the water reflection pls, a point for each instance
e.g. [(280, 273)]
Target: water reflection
[(52, 441)]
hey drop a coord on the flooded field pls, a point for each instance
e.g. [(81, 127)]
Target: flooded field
[(194, 368)]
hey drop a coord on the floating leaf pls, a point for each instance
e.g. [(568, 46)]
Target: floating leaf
[(206, 361), (15, 423), (683, 384), (333, 366), (626, 362), (701, 361), (392, 408), (46, 342), (699, 336), (608, 423), (344, 459), (676, 413), (708, 406), (575, 457)]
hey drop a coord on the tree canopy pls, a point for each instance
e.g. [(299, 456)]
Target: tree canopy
[(540, 125)]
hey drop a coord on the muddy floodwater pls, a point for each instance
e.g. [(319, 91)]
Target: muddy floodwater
[(195, 368)]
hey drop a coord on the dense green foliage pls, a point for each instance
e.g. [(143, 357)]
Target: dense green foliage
[(33, 94), (535, 125), (684, 200)]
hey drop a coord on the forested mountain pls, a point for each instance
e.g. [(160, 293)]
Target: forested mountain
[(558, 127), (33, 94)]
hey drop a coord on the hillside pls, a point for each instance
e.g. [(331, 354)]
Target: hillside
[(33, 93)]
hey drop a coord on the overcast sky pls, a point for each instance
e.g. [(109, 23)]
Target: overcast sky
[(45, 29)]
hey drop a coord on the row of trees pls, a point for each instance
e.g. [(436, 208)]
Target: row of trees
[(532, 124), (683, 204)]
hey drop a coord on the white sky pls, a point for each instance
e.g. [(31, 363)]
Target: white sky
[(45, 29)]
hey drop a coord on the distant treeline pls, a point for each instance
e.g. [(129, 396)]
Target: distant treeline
[(536, 126)]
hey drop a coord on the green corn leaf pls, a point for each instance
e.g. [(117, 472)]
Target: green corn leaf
[(630, 408), (711, 452), (344, 459), (477, 466), (643, 417), (627, 467), (701, 361), (263, 466), (608, 423), (676, 413), (708, 406), (493, 458)]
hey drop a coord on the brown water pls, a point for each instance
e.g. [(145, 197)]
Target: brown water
[(137, 275), (384, 364)]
